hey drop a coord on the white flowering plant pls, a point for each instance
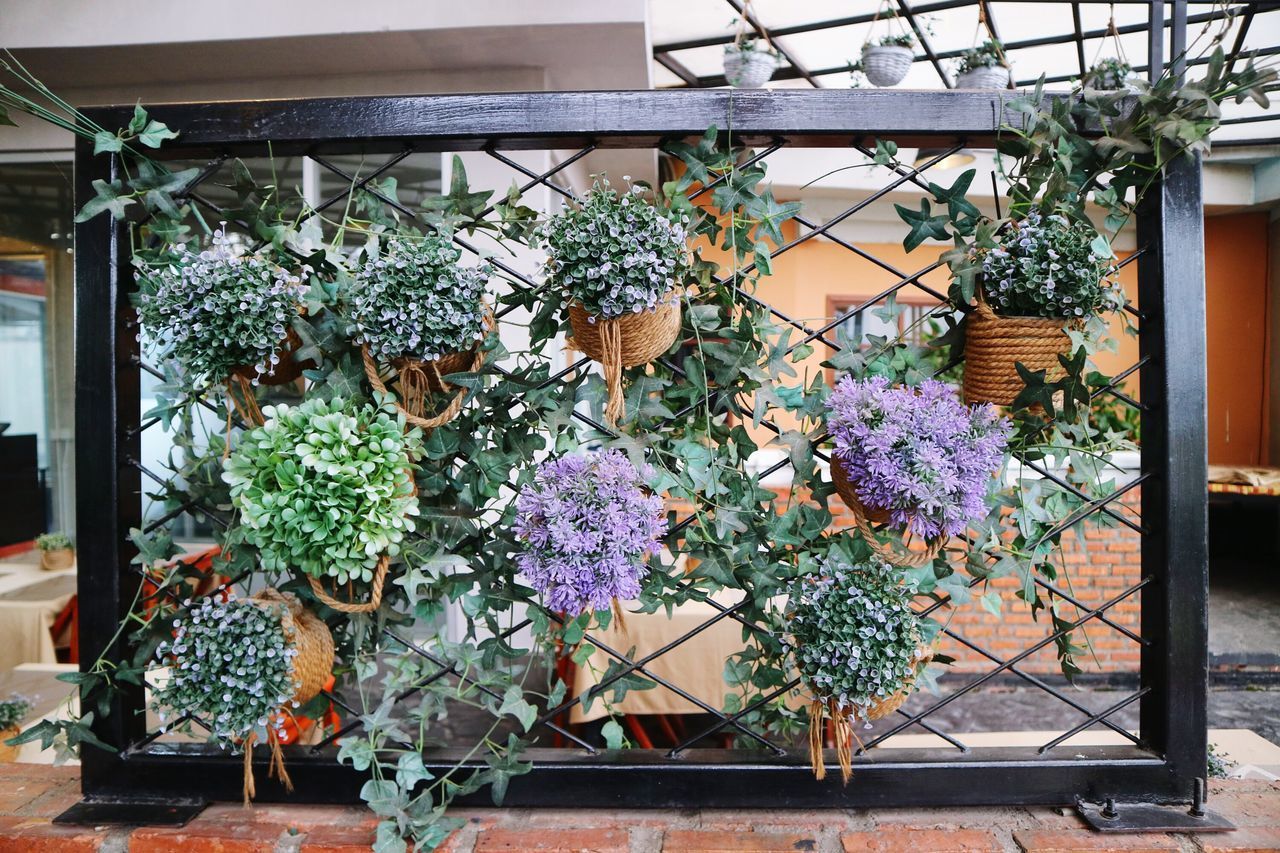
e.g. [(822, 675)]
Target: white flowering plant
[(854, 638), (231, 669), (1049, 266), (415, 300), (617, 253), (326, 488), (218, 310)]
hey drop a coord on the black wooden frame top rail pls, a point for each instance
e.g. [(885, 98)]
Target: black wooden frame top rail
[(539, 120)]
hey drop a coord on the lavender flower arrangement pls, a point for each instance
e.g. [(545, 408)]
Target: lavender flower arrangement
[(231, 667), (325, 488), (1048, 266), (616, 254), (217, 310), (587, 525), (854, 637), (917, 453), (417, 301)]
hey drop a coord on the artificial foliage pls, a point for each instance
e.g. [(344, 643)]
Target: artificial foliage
[(616, 253), (14, 710), (918, 453), (588, 525), (1108, 74), (853, 636), (415, 299), (218, 309), (230, 667), (325, 487), (1046, 265), (53, 541), (989, 54), (903, 39)]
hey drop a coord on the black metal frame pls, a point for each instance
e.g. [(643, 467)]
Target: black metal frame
[(667, 54), (1161, 766)]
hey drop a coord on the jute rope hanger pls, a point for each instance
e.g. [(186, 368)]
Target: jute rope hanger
[(1113, 34), (894, 16), (741, 32)]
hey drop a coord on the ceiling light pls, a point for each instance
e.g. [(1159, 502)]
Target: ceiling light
[(963, 157)]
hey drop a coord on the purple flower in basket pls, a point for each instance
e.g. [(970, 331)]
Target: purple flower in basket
[(588, 526), (918, 453)]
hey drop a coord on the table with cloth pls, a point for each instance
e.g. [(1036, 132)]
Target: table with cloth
[(696, 666), (30, 601)]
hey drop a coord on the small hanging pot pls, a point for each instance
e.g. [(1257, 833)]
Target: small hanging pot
[(626, 341), (823, 709), (990, 77), (864, 517), (748, 68), (995, 345), (312, 667), (886, 64), (287, 370), (418, 377)]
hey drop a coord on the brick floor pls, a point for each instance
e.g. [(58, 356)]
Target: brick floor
[(31, 795)]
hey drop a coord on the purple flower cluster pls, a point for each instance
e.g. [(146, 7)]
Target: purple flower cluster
[(917, 452), (588, 526)]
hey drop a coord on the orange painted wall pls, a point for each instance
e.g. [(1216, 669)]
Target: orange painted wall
[(1236, 287)]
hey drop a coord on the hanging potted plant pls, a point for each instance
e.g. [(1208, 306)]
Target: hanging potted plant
[(983, 67), (913, 459), (417, 309), (620, 261), (1044, 275), (858, 647), (225, 316), (12, 712), (587, 526), (746, 66), (887, 61), (1108, 75), (327, 489), (56, 552), (239, 667)]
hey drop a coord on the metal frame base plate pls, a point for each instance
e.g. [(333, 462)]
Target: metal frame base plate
[(133, 811), (1149, 817)]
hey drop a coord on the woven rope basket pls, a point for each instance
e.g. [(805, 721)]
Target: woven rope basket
[(303, 630), (864, 517), (645, 336), (995, 345), (886, 64)]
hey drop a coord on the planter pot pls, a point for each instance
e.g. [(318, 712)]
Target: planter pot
[(418, 378), (886, 64), (303, 630), (995, 77), (288, 370), (626, 341), (57, 559), (995, 345), (748, 69), (9, 754), (891, 552)]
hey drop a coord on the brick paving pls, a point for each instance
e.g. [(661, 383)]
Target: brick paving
[(30, 795)]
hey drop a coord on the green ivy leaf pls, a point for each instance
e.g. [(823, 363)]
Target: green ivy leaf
[(613, 734), (924, 225)]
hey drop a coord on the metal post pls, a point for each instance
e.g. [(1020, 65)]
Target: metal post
[(1171, 298)]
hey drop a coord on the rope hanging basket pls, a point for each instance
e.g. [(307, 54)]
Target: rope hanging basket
[(864, 517), (748, 68), (886, 64), (995, 345), (626, 341), (418, 379), (822, 710), (311, 668)]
